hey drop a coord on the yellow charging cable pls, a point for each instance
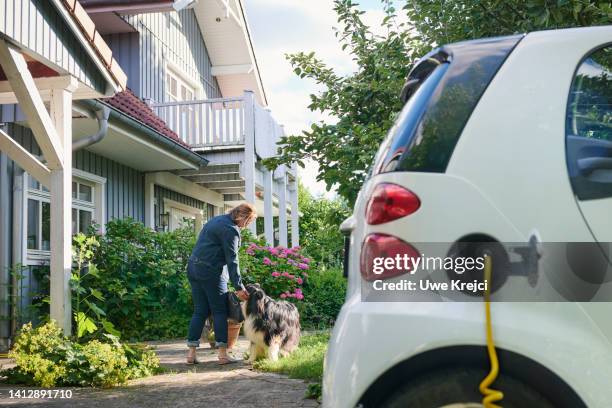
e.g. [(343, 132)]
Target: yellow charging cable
[(490, 395)]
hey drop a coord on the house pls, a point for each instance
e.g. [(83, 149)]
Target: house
[(153, 110)]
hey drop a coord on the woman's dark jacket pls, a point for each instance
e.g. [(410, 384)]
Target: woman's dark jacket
[(217, 245)]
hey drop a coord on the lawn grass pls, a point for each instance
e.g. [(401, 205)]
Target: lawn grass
[(304, 363)]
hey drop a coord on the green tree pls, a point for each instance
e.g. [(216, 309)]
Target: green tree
[(364, 104), (319, 233)]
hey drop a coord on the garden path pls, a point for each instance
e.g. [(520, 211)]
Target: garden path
[(203, 385)]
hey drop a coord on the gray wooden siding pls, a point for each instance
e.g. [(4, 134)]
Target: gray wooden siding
[(124, 185), (173, 37), (125, 48), (38, 26), (162, 192)]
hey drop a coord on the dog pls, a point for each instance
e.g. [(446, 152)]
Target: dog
[(272, 327)]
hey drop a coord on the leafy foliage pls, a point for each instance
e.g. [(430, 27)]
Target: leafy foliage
[(325, 291), (362, 106), (143, 280), (280, 271), (319, 233), (455, 20), (89, 316), (45, 357)]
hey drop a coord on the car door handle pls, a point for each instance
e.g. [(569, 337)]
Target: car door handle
[(588, 165)]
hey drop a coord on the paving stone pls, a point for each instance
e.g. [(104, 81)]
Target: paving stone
[(203, 385)]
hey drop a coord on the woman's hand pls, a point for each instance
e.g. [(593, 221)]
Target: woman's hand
[(242, 294)]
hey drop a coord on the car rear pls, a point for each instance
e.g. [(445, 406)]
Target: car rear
[(442, 162)]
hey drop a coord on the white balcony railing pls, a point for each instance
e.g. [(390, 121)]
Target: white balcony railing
[(208, 122), (222, 122)]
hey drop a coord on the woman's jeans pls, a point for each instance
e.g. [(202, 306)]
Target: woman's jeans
[(209, 295)]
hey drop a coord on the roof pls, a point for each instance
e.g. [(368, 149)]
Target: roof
[(94, 37), (128, 103), (225, 30)]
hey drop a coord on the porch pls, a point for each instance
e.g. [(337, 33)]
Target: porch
[(235, 135)]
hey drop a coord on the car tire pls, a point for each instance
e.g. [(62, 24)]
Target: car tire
[(458, 388)]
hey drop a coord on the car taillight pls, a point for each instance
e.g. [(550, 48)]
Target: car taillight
[(390, 202), (383, 246)]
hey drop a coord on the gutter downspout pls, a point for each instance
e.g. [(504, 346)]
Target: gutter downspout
[(102, 114), (150, 134)]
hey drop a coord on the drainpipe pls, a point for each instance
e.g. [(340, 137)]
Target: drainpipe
[(102, 114)]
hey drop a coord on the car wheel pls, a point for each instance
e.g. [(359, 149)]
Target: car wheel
[(458, 388)]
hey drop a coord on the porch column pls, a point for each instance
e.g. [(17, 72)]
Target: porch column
[(268, 208), (282, 208), (295, 216), (53, 132), (61, 212), (248, 164)]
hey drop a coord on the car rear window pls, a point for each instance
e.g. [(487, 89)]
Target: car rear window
[(426, 131)]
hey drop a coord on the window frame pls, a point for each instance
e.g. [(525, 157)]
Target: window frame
[(582, 187), (35, 256), (182, 119)]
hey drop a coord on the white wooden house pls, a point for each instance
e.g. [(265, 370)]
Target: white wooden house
[(153, 110)]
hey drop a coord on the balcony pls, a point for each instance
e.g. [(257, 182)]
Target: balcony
[(222, 124), (234, 134)]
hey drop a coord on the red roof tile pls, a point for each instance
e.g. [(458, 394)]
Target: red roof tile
[(135, 107), (88, 28)]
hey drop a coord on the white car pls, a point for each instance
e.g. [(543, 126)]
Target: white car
[(502, 140)]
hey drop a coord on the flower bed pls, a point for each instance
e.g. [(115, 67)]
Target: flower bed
[(280, 271)]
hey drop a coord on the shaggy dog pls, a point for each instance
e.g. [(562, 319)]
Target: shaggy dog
[(271, 326)]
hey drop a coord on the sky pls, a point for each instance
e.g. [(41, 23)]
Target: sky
[(279, 27)]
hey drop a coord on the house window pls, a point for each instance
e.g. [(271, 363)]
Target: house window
[(182, 118), (87, 209)]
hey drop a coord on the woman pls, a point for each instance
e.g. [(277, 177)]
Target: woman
[(217, 246)]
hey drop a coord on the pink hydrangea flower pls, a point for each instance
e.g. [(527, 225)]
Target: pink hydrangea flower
[(303, 266), (285, 274), (290, 276), (300, 281), (276, 274), (283, 296), (267, 261), (299, 296), (298, 290), (306, 260)]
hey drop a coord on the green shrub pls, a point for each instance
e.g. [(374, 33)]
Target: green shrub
[(40, 355), (280, 271), (143, 280), (324, 294), (44, 357)]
